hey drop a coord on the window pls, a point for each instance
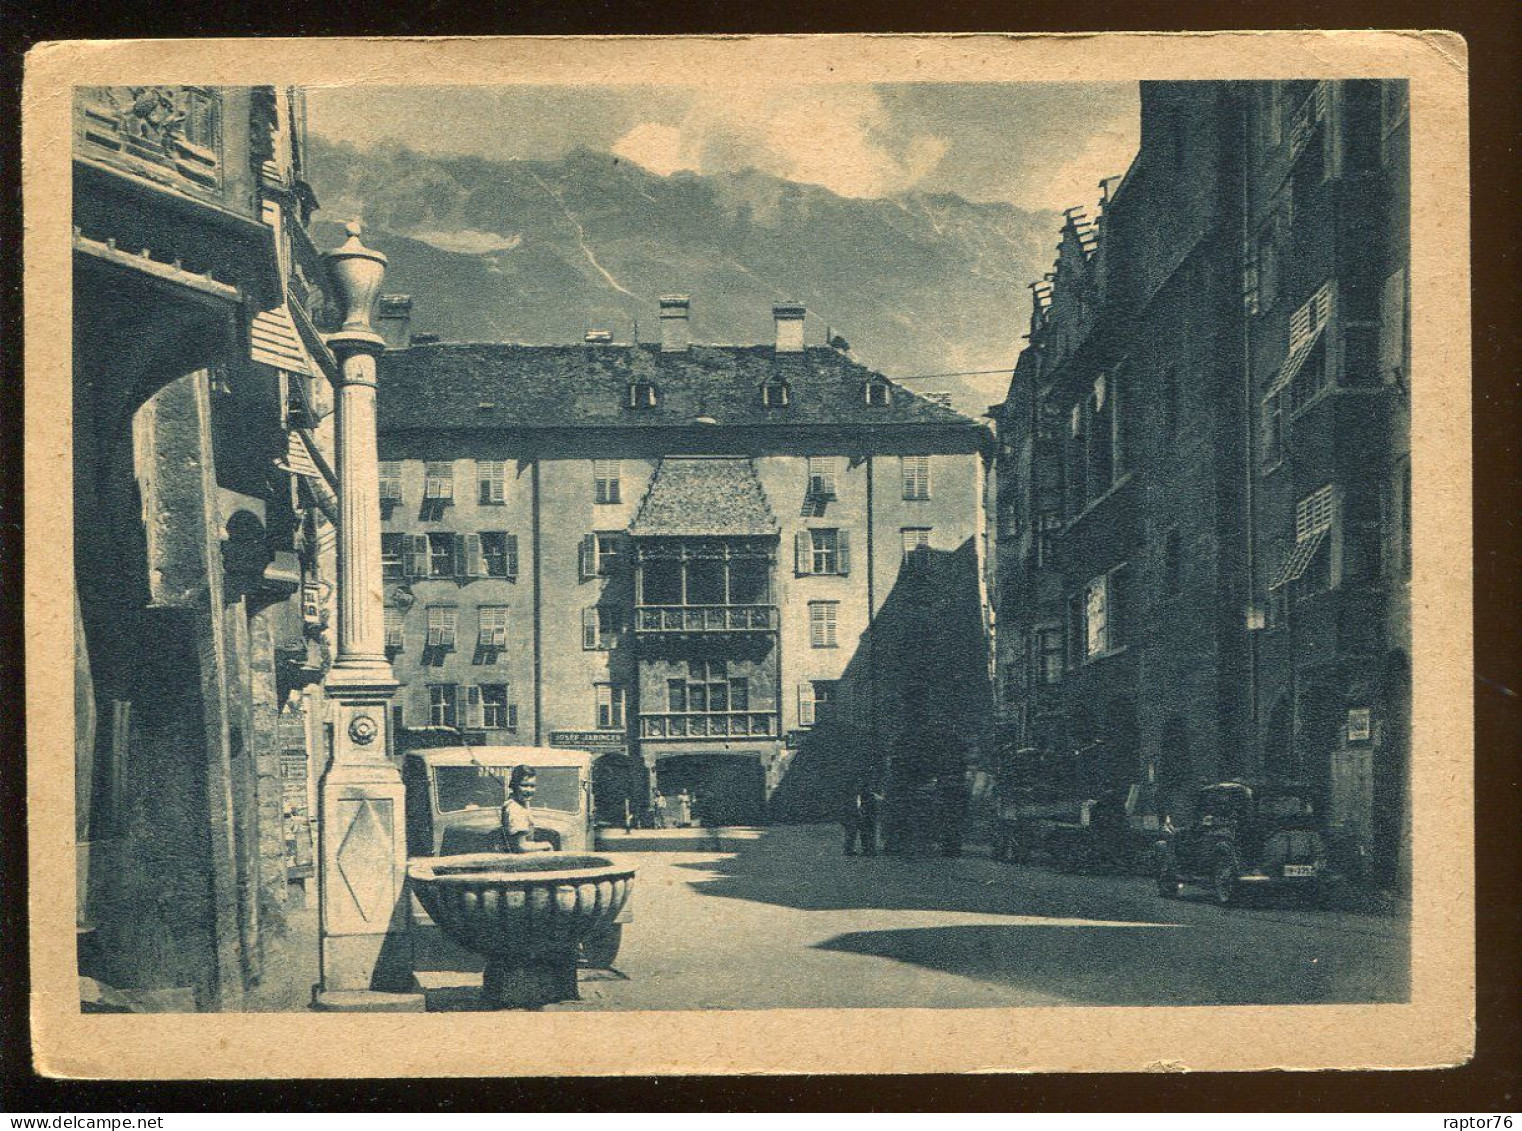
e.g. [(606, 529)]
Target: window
[(822, 617), (599, 627), (393, 622), (491, 708), (1306, 567), (599, 555), (915, 539), (1046, 539), (821, 478), (443, 705), (1273, 430), (438, 483), (707, 688), (393, 556), (499, 554), (1306, 370), (816, 697), (825, 548), (774, 394), (822, 552), (878, 394), (492, 476), (607, 483), (610, 707), (1049, 653), (1096, 616), (916, 470), (417, 556), (643, 394), (441, 555), (493, 626), (441, 626), (390, 481)]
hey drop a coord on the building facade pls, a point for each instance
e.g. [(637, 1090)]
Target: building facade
[(1203, 464), (681, 557), (203, 537)]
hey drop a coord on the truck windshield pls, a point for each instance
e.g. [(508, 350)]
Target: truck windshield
[(485, 787)]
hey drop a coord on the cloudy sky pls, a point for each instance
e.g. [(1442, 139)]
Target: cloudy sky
[(1037, 145)]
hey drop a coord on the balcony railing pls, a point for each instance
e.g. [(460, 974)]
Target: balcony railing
[(167, 133), (728, 724), (705, 618)]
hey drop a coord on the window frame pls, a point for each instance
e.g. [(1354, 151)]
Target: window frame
[(487, 692), (438, 482), (607, 489), (919, 543), (508, 555), (824, 551), (443, 627), (822, 478), (611, 715), (824, 624), (393, 564), (492, 635), (914, 471), (491, 479), (444, 705), (436, 540)]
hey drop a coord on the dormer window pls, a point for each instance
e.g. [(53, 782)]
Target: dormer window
[(775, 394), (879, 394), (642, 394)]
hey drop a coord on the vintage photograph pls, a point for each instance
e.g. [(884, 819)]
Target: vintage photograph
[(609, 547)]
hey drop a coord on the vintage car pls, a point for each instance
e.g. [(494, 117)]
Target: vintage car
[(454, 798), (1245, 835), (1110, 833)]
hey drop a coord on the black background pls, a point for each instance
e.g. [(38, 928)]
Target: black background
[(1490, 1083)]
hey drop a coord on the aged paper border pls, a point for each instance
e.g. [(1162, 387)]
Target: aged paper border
[(1435, 1028)]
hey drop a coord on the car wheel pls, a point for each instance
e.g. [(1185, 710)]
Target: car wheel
[(1224, 880), (601, 950)]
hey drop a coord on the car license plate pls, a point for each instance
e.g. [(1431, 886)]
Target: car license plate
[(1300, 869)]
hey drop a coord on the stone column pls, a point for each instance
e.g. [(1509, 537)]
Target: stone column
[(362, 852)]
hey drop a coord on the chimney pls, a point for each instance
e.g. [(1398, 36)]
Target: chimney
[(789, 319), (393, 319), (674, 324)]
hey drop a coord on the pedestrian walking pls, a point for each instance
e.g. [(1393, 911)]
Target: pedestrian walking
[(683, 809), (660, 809), (861, 823)]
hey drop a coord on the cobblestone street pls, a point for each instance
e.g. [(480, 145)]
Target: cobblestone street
[(786, 921)]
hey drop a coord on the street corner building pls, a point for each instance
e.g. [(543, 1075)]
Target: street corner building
[(1203, 471), (204, 516), (753, 573)]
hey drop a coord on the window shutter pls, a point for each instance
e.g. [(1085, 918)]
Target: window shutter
[(512, 716), (588, 557), (589, 628), (803, 553), (843, 552), (475, 716), (474, 565), (510, 547), (417, 713), (805, 704)]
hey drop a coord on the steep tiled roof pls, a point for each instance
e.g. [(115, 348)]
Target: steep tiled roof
[(718, 496), (448, 385)]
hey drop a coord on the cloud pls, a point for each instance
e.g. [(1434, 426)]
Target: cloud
[(841, 138), (653, 146), (466, 241), (1074, 179)]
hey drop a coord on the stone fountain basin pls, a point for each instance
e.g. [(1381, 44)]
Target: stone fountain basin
[(521, 907)]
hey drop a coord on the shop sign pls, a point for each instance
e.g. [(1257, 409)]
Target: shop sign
[(600, 740)]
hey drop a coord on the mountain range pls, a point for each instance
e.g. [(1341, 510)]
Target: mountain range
[(543, 251)]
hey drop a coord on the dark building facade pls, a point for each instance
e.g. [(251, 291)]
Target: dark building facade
[(1167, 573), (675, 555), (203, 511)]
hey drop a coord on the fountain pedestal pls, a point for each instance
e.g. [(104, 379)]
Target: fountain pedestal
[(527, 915)]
